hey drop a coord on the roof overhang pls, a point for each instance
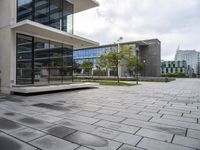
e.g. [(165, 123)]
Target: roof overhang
[(142, 43), (39, 30), (81, 5)]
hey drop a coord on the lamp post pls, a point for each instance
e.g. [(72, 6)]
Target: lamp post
[(144, 62), (118, 47), (137, 55)]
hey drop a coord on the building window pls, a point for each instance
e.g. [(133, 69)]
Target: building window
[(24, 62), (55, 13), (42, 11), (25, 9), (67, 17), (42, 61)]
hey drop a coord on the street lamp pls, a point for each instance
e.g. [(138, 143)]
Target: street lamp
[(137, 55), (144, 62), (118, 47)]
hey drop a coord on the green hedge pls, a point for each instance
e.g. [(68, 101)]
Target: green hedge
[(99, 73), (176, 75)]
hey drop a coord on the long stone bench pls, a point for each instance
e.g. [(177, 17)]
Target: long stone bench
[(51, 88)]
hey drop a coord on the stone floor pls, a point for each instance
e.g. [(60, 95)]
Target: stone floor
[(154, 116)]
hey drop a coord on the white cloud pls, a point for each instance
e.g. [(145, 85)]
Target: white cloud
[(172, 21)]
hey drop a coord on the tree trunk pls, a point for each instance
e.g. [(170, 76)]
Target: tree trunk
[(117, 74)]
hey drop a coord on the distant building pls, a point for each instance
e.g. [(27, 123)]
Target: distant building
[(198, 74), (172, 67), (190, 56), (149, 54)]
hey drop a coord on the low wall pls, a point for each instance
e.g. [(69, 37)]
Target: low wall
[(148, 79)]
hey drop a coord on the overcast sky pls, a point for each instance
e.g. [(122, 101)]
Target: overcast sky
[(173, 22)]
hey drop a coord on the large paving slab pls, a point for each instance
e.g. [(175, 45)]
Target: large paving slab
[(158, 145), (93, 141), (52, 143), (152, 116), (10, 143)]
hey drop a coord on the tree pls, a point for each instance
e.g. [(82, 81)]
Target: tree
[(130, 60), (87, 67), (102, 63), (110, 60), (114, 59), (76, 67)]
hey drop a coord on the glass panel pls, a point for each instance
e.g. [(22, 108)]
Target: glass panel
[(55, 76), (67, 17), (56, 62), (41, 58), (67, 50), (67, 75), (24, 59), (56, 55), (24, 10), (42, 11), (56, 14), (53, 62)]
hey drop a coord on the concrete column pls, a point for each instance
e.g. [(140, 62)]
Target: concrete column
[(7, 44)]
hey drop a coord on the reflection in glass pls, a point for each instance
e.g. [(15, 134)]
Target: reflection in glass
[(25, 10), (41, 61), (67, 17), (24, 59), (53, 62), (42, 11), (55, 13)]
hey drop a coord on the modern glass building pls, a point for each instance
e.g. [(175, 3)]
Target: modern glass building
[(37, 41), (41, 61), (149, 55), (198, 74), (54, 13), (190, 56), (91, 54), (172, 67)]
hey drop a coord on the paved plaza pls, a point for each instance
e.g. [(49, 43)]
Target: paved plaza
[(154, 116)]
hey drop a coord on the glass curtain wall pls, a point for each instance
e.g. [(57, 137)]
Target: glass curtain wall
[(67, 63), (43, 62), (24, 10), (55, 63), (42, 11), (24, 63), (55, 13), (67, 17)]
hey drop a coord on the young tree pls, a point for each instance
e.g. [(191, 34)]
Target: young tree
[(110, 60), (76, 67), (102, 63), (87, 67), (130, 60), (114, 59)]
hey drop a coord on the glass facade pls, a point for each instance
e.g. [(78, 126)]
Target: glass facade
[(42, 61), (91, 54), (24, 63), (54, 13), (173, 67)]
